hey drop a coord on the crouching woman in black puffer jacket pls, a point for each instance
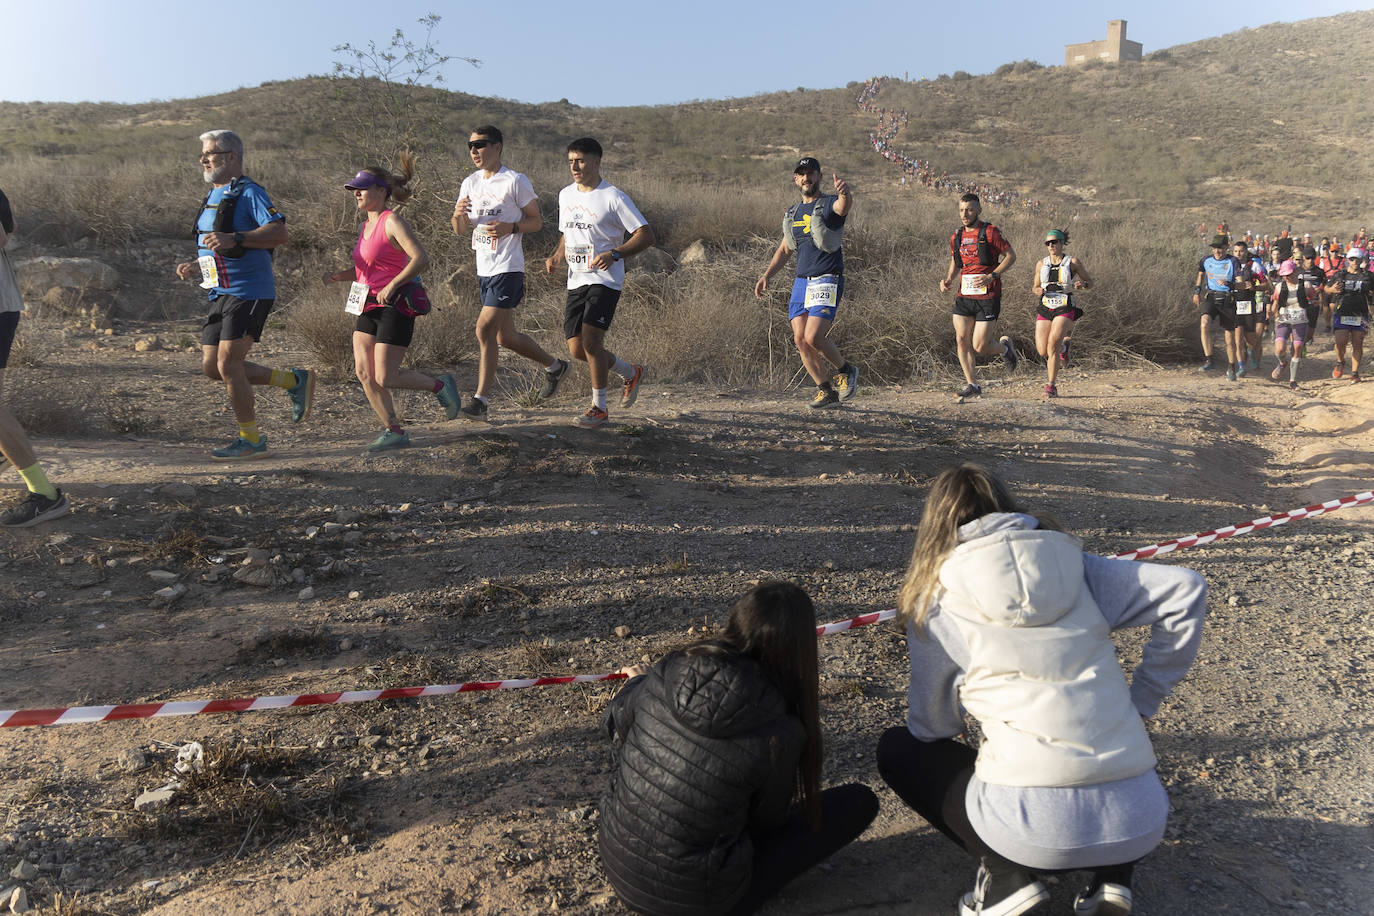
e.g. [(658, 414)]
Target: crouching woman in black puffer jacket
[(717, 741)]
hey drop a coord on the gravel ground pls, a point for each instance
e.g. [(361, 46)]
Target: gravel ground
[(519, 547)]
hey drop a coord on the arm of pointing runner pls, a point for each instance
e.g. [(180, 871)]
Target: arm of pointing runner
[(1170, 600), (845, 198)]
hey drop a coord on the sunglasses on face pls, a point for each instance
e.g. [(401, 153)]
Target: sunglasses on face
[(479, 144)]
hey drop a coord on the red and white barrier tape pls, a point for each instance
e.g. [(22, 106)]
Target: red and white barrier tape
[(16, 718), (1231, 531)]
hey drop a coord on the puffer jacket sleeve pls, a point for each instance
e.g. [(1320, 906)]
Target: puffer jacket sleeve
[(620, 712)]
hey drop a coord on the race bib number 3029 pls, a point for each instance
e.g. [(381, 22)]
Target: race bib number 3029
[(579, 257), (821, 292)]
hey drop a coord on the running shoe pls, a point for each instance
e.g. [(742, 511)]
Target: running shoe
[(632, 387), (846, 383), (448, 396), (1107, 900), (1336, 372), (474, 409), (1254, 359), (1051, 391), (1293, 386), (1355, 378), (389, 439), (824, 398), (1207, 364), (970, 391), (1240, 369), (1277, 374), (1064, 352), (37, 508), (302, 395), (551, 379), (594, 417), (241, 449), (1231, 374), (1009, 353)]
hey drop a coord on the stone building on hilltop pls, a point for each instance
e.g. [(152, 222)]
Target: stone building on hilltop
[(1114, 48)]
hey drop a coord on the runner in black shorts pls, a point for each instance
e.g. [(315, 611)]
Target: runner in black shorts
[(1249, 313), (979, 255), (1056, 277), (1214, 294)]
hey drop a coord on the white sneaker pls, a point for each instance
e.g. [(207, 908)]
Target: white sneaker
[(1110, 900), (1017, 903)]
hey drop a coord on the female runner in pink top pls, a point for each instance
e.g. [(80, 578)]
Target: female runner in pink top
[(388, 260)]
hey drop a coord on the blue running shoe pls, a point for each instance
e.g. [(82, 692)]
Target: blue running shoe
[(449, 397), (303, 395), (389, 440), (241, 450)]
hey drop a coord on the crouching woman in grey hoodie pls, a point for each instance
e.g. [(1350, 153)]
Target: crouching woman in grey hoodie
[(1010, 621)]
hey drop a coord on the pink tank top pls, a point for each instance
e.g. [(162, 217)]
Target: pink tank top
[(376, 261)]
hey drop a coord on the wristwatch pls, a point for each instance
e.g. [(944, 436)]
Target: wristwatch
[(616, 256), (238, 238)]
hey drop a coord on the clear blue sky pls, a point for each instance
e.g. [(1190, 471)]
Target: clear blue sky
[(623, 54)]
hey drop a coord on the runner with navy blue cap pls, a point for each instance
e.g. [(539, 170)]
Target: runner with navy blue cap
[(814, 228)]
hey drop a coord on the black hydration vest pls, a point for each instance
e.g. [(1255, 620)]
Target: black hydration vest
[(224, 214)]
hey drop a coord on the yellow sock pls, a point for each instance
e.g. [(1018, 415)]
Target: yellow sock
[(282, 378), (37, 481), (250, 432)]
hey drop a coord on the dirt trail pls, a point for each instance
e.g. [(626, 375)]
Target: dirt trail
[(517, 548)]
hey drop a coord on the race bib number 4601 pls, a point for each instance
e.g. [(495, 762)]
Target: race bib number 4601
[(579, 257)]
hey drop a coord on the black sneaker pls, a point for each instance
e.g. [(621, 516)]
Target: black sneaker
[(37, 508), (970, 391), (1009, 353), (474, 409), (551, 379), (824, 398)]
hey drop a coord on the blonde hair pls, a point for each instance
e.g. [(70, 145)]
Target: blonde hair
[(959, 495), (396, 182)]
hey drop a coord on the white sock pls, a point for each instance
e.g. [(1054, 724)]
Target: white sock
[(623, 369), (1293, 369), (481, 397), (599, 398)]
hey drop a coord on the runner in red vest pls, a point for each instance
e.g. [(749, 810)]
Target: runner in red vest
[(978, 257)]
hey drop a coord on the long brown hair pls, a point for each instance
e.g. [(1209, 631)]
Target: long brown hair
[(775, 624), (960, 494), (396, 182)]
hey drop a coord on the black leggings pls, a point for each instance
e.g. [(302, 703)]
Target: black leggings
[(932, 778), (780, 856)]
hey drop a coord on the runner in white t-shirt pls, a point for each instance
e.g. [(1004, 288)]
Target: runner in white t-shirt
[(495, 205), (594, 217)]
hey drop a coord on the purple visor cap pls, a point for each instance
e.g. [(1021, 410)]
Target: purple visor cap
[(363, 181)]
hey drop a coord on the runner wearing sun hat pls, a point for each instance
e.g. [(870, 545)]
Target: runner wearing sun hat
[(1288, 314)]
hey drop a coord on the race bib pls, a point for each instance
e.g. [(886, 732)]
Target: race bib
[(1244, 307), (1055, 300), (482, 239), (974, 284), (1293, 314), (821, 292), (1350, 321), (209, 272), (579, 257), (357, 297)]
